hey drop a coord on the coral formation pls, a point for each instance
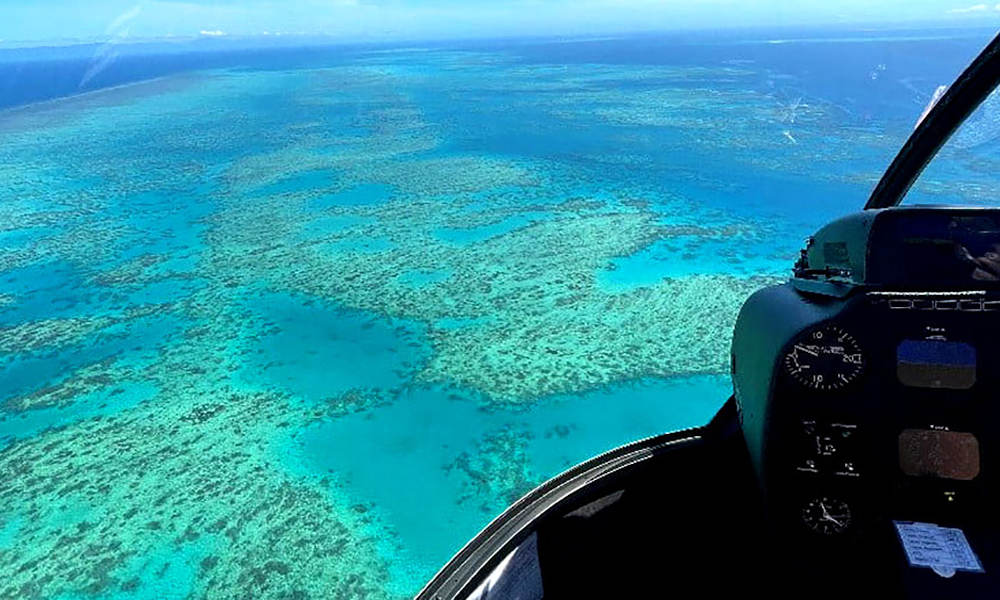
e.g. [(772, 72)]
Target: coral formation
[(497, 469), (271, 250)]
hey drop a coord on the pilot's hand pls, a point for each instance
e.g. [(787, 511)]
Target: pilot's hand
[(985, 267), (988, 265)]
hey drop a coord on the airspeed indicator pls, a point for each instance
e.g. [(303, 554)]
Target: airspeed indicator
[(827, 358)]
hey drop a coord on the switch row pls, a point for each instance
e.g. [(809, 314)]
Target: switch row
[(948, 304)]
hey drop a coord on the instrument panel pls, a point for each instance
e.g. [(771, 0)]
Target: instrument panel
[(865, 386), (875, 408), (879, 413)]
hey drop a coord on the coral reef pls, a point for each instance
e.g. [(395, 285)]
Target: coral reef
[(274, 251), (497, 471), (189, 472), (34, 335)]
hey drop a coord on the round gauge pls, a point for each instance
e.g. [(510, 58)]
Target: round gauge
[(827, 358), (827, 516)]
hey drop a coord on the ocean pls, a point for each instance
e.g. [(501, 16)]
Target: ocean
[(287, 321)]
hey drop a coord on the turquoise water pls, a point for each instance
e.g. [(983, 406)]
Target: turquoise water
[(480, 460), (299, 325)]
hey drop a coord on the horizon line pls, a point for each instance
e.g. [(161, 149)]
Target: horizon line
[(334, 39)]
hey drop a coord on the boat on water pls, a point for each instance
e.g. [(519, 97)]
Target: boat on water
[(857, 454)]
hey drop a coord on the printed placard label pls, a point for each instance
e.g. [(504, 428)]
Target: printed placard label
[(943, 549)]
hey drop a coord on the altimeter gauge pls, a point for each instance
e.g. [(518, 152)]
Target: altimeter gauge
[(826, 516), (826, 358)]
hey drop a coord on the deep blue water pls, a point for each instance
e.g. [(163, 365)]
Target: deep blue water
[(912, 60)]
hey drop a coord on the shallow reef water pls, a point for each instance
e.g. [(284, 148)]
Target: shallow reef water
[(300, 330)]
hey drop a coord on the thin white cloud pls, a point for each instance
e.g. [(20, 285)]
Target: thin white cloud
[(106, 54), (123, 18), (212, 32), (969, 9)]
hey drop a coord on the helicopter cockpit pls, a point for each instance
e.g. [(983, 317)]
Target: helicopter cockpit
[(858, 452)]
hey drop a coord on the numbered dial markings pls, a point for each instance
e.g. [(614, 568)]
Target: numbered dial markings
[(826, 516), (825, 359)]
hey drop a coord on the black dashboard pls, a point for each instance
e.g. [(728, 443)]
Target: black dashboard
[(867, 396)]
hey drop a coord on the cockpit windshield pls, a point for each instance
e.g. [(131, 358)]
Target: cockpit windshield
[(295, 298), (967, 165)]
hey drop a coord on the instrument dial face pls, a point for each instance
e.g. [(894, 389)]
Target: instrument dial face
[(826, 516), (827, 358)]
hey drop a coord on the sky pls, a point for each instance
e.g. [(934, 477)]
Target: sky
[(389, 20)]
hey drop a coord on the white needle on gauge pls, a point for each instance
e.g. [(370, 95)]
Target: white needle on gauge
[(826, 515), (806, 350)]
